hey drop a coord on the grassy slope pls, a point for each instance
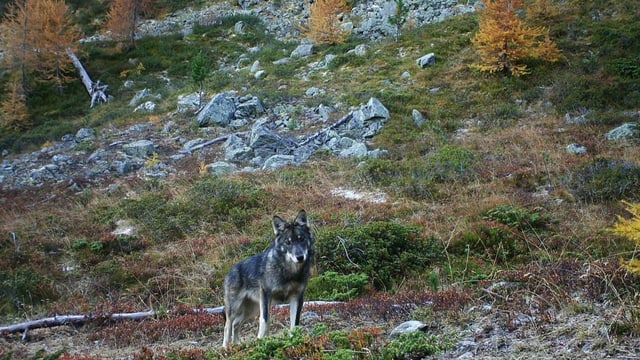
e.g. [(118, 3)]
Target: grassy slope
[(458, 190)]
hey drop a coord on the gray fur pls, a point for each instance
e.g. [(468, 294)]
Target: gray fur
[(279, 275)]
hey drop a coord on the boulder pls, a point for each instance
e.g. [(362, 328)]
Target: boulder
[(626, 131), (140, 148), (249, 107), (219, 111), (408, 327), (278, 161), (188, 102), (221, 168), (266, 143), (302, 51), (236, 149), (427, 60)]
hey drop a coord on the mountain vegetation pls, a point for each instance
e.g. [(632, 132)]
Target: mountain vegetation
[(479, 219)]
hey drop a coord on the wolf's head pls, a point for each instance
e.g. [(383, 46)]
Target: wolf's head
[(294, 238)]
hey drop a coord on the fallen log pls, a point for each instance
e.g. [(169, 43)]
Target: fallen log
[(59, 320)]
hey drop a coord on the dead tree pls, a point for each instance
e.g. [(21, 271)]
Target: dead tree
[(96, 90)]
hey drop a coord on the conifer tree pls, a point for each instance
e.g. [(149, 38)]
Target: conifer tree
[(13, 109), (324, 23), (504, 39), (53, 34), (199, 73)]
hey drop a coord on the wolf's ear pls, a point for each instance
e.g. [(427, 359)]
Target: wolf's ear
[(301, 219), (278, 225)]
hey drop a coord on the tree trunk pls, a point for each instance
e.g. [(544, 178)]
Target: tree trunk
[(97, 91)]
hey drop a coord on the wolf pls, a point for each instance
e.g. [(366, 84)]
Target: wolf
[(279, 275)]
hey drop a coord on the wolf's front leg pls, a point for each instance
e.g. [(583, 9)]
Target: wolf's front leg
[(295, 310), (265, 303)]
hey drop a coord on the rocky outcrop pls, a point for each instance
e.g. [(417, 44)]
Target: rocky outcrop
[(256, 138)]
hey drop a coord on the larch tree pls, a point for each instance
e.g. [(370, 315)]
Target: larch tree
[(13, 109), (123, 17), (324, 22), (504, 39), (15, 37), (53, 35)]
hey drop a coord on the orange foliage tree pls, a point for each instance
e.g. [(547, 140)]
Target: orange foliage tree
[(123, 17), (504, 39), (13, 109), (324, 22), (53, 33), (35, 35)]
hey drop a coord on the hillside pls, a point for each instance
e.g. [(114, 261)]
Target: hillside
[(478, 204)]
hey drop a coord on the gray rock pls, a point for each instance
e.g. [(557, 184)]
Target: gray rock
[(141, 95), (361, 50), (188, 102), (140, 148), (219, 111), (576, 149), (622, 132), (260, 74), (238, 28), (427, 60), (302, 51), (278, 161), (148, 106), (408, 327), (255, 67), (237, 150), (282, 61), (418, 118), (122, 167), (266, 143), (221, 168), (577, 119), (249, 107), (85, 134), (357, 150)]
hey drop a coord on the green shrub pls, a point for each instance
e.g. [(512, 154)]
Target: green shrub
[(331, 286), (518, 218), (386, 252), (489, 240), (606, 180), (415, 345), (23, 288), (451, 163)]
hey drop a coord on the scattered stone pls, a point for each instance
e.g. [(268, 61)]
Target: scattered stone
[(148, 106), (427, 60), (84, 135), (624, 132), (408, 327), (219, 111), (576, 149), (188, 102), (302, 51), (221, 168), (278, 161), (140, 148), (418, 118)]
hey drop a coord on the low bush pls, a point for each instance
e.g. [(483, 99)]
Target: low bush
[(386, 252), (331, 286), (606, 180)]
